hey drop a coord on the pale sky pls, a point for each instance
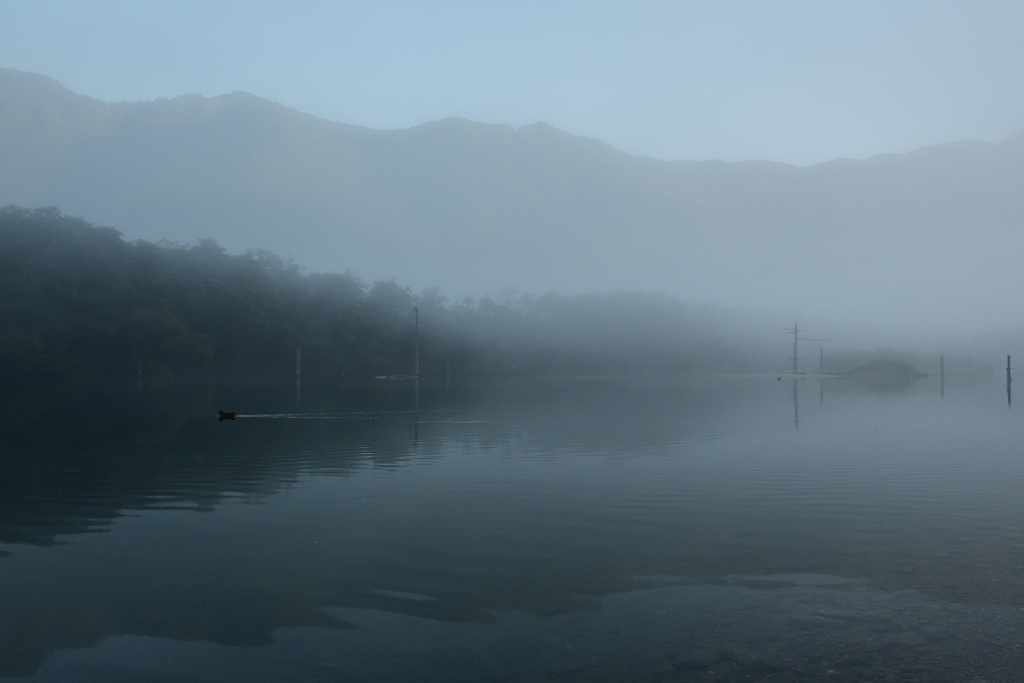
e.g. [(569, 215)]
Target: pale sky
[(800, 82)]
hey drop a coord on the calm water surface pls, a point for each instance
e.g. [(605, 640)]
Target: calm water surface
[(700, 529)]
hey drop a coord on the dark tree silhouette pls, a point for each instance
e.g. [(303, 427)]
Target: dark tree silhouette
[(76, 299)]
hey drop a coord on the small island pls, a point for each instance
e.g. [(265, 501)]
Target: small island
[(886, 374), (886, 368)]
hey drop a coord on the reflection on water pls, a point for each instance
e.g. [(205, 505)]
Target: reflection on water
[(515, 530)]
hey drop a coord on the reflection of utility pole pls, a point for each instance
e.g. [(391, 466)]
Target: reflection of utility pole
[(797, 338)]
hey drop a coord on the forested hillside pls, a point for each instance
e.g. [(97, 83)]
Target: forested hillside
[(76, 299)]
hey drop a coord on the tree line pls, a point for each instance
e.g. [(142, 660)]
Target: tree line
[(80, 300)]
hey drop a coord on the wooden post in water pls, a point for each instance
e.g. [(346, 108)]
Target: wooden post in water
[(821, 373), (416, 370), (1008, 381), (942, 375), (298, 378)]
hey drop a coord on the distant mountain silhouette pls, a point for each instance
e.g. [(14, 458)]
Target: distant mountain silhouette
[(919, 239)]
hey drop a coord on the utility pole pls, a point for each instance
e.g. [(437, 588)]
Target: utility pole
[(796, 331), (797, 338)]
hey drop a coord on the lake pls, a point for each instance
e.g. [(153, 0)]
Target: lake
[(653, 529)]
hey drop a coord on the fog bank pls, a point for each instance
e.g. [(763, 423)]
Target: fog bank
[(903, 248)]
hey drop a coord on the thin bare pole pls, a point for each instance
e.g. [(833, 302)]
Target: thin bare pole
[(796, 339), (796, 333)]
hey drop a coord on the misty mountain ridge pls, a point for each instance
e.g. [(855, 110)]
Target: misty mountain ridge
[(918, 242)]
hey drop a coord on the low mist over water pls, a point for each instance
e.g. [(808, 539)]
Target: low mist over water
[(902, 246)]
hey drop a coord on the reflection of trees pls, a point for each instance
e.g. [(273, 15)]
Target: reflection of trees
[(73, 458), (76, 456), (550, 514)]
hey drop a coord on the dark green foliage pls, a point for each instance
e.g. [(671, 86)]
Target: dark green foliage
[(80, 300), (76, 299)]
